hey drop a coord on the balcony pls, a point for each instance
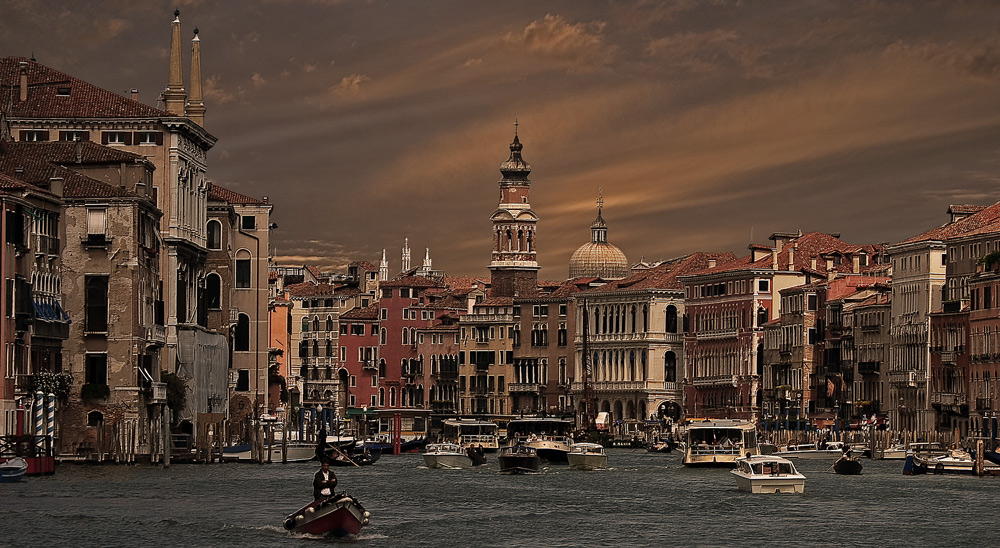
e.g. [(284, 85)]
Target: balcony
[(370, 365), (156, 335), (619, 386), (46, 245), (947, 399), (524, 387), (948, 358), (159, 393)]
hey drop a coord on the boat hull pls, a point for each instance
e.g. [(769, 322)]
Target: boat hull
[(579, 461), (789, 484), (815, 454), (339, 515), (447, 460), (519, 464), (13, 470), (847, 466)]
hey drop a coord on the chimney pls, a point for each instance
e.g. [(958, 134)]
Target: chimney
[(78, 146), (56, 186), (774, 259), (791, 256), (24, 80), (135, 95), (196, 107), (829, 264), (711, 263), (174, 96)]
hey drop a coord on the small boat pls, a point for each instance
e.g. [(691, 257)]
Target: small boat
[(894, 452), (847, 465), (956, 461), (351, 456), (446, 455), (296, 452), (587, 456), (768, 474), (518, 459), (339, 515), (13, 470)]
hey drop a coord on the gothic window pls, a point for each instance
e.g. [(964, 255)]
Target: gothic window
[(241, 338)]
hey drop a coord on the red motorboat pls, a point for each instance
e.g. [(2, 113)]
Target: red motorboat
[(339, 515)]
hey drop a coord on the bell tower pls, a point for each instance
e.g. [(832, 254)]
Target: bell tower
[(513, 268)]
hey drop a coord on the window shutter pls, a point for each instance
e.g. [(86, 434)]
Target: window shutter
[(128, 138), (159, 137), (104, 137)]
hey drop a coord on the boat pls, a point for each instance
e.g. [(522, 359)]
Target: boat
[(917, 455), (848, 465), (549, 436), (339, 516), (893, 452), (352, 456), (587, 456), (13, 470), (296, 452), (768, 474), (446, 455), (955, 461), (519, 459), (829, 450), (719, 442), (660, 446), (472, 433), (477, 454)]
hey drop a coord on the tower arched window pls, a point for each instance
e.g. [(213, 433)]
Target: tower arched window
[(214, 235), (671, 319)]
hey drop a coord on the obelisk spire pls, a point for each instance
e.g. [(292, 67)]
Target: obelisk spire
[(195, 107), (174, 96)]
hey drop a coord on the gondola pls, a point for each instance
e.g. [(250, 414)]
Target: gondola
[(338, 456), (847, 465)]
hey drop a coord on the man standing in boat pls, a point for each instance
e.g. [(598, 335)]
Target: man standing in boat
[(324, 482)]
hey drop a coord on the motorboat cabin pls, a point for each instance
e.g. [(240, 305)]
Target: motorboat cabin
[(446, 455), (719, 442), (549, 436), (588, 456), (472, 433)]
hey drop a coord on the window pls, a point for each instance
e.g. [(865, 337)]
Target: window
[(96, 369), (96, 304), (34, 135), (214, 235), (242, 273), (562, 310), (213, 291), (74, 135), (116, 138), (384, 314), (248, 222), (811, 302), (97, 224), (149, 138), (243, 380), (763, 285), (241, 338)]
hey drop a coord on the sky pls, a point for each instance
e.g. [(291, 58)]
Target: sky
[(706, 125)]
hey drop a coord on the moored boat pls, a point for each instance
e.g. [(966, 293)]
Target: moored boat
[(832, 450), (518, 459), (338, 516), (587, 456), (13, 470), (472, 433), (446, 455), (768, 474)]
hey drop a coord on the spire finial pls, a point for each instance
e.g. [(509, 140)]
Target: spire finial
[(196, 31), (515, 127), (177, 13), (600, 198)]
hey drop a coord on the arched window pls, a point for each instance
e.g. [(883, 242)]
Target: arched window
[(329, 323), (381, 397), (761, 316), (671, 319), (381, 336), (213, 291), (645, 317), (305, 325), (670, 367), (214, 235), (633, 319), (406, 336), (241, 338), (329, 348), (392, 397), (243, 259), (315, 323)]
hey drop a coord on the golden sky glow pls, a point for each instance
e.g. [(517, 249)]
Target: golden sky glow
[(366, 121)]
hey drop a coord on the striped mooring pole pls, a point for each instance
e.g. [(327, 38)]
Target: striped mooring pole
[(39, 411), (50, 416)]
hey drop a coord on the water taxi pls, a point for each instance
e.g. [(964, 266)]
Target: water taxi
[(587, 456), (768, 474), (518, 459), (472, 433), (831, 450), (719, 442), (548, 436), (446, 455)]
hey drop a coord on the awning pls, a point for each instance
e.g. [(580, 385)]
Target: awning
[(352, 412), (50, 312)]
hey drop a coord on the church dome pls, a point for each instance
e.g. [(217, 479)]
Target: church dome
[(598, 258)]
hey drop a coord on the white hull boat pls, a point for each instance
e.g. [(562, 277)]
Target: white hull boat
[(446, 455), (832, 451), (587, 456), (768, 474)]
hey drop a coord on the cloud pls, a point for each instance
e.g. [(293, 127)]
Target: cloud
[(257, 80), (214, 93), (979, 59), (472, 62), (349, 85), (582, 45)]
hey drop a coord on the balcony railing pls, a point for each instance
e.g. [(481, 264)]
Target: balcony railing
[(159, 393), (947, 398), (524, 387)]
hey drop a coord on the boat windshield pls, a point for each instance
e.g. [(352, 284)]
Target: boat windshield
[(772, 468)]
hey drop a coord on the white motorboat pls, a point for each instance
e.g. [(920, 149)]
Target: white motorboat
[(587, 456), (893, 452), (446, 455), (13, 470), (830, 450), (296, 452), (768, 474), (473, 433), (549, 436)]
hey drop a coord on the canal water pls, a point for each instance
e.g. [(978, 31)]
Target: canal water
[(644, 499)]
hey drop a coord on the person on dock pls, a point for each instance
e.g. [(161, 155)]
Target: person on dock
[(324, 482)]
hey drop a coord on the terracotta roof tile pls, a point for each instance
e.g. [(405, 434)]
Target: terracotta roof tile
[(665, 275), (984, 221), (221, 194), (37, 163), (369, 312), (84, 100)]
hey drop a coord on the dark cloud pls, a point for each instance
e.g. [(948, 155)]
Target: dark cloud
[(367, 122)]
